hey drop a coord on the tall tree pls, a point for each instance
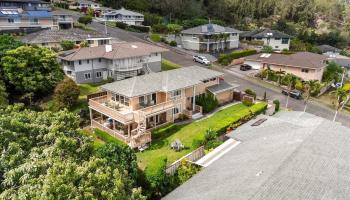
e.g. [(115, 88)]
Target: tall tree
[(44, 156), (31, 70)]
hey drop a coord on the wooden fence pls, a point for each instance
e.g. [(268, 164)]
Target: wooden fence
[(192, 157)]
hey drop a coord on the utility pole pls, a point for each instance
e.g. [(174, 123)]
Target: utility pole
[(106, 27)]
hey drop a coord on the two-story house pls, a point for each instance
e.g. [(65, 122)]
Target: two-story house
[(128, 109), (276, 39), (52, 38), (62, 19), (118, 61), (125, 16), (209, 38), (26, 4)]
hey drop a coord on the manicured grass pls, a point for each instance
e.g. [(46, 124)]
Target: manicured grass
[(168, 65), (105, 137), (188, 133), (155, 37)]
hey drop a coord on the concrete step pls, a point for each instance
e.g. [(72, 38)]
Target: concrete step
[(197, 116)]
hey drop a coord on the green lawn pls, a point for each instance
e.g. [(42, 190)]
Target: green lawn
[(168, 65), (188, 133), (85, 89)]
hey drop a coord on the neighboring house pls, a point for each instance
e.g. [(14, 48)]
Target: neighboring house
[(128, 109), (329, 50), (291, 156), (82, 4), (33, 5), (19, 19), (306, 65), (276, 39), (62, 19), (53, 38), (210, 38), (125, 16), (118, 61), (343, 62)]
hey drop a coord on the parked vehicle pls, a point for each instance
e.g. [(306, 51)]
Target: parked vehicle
[(245, 67), (296, 94), (201, 59)]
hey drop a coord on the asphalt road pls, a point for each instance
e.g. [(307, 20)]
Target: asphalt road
[(186, 60)]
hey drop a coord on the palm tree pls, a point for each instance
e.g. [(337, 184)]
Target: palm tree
[(307, 92), (342, 98), (269, 71), (290, 79), (280, 74)]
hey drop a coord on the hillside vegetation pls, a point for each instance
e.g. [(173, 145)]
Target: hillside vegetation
[(296, 17)]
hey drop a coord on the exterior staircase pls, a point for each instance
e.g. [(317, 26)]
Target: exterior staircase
[(140, 135)]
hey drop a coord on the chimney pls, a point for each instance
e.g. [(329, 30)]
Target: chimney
[(108, 48)]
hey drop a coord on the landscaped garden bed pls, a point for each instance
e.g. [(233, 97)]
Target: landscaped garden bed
[(191, 134)]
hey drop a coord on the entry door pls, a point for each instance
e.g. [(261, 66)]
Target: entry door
[(104, 75)]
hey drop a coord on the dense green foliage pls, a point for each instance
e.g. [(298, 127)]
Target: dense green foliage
[(208, 102), (7, 42), (226, 59), (85, 19), (3, 94), (66, 94), (250, 92), (67, 45), (185, 171), (31, 70), (277, 105), (333, 72), (44, 156), (267, 49), (155, 37)]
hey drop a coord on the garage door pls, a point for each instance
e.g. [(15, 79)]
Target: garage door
[(255, 65)]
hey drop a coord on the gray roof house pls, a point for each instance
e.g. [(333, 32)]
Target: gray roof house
[(290, 156), (53, 38), (118, 61), (125, 16), (274, 38), (209, 38)]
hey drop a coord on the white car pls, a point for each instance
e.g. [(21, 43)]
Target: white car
[(201, 59)]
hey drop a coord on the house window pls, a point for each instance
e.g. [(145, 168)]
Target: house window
[(277, 38), (213, 79), (87, 76), (276, 47), (285, 40), (98, 74), (34, 21), (259, 38), (10, 20), (234, 34), (305, 70), (99, 60), (88, 61), (177, 109), (175, 94), (79, 62)]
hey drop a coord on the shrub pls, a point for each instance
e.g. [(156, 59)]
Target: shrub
[(66, 93), (250, 92), (247, 103), (213, 144), (67, 45), (159, 28), (226, 59), (208, 101), (85, 19), (210, 134), (173, 43), (144, 29), (186, 170), (155, 37), (121, 25), (267, 49), (277, 105)]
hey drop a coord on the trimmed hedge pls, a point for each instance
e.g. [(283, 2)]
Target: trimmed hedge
[(144, 29), (226, 59)]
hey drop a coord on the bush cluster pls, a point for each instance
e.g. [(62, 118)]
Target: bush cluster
[(208, 102), (226, 59)]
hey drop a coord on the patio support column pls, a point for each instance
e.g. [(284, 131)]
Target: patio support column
[(194, 99), (113, 124), (208, 45), (90, 116)]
